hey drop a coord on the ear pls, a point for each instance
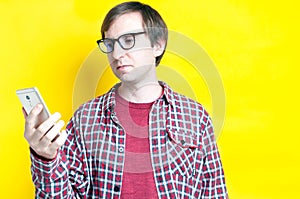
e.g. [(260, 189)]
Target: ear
[(159, 48)]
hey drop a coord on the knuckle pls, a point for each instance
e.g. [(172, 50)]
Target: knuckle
[(44, 126), (59, 141), (35, 146), (47, 138), (41, 126), (47, 153), (38, 134), (28, 123), (37, 150), (51, 151)]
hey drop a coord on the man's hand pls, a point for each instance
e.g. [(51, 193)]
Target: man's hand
[(45, 139)]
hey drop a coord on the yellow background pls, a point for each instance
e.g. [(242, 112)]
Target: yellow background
[(254, 44)]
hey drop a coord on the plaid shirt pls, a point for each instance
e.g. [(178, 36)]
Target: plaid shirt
[(184, 154)]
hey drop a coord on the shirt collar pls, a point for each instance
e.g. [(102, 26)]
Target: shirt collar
[(110, 98), (168, 93)]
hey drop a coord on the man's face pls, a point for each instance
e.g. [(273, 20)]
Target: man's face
[(138, 63)]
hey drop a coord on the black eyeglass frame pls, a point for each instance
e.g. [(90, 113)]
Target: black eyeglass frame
[(118, 40)]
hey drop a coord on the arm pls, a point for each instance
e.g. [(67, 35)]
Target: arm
[(50, 177), (53, 158), (213, 180)]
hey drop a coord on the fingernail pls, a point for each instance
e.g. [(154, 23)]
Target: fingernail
[(57, 114), (38, 107)]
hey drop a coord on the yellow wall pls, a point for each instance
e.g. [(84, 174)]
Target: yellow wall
[(253, 43)]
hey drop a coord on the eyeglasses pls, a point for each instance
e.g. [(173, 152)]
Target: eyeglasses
[(126, 41)]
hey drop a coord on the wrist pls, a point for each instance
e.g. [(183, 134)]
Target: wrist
[(41, 157)]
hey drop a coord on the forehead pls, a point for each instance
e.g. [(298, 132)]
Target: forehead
[(125, 23)]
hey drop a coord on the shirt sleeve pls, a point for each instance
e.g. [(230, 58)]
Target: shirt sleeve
[(50, 177), (64, 176), (213, 180)]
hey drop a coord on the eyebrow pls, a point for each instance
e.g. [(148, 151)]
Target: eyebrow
[(125, 33)]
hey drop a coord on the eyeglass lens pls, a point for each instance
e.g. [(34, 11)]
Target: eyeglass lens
[(125, 41)]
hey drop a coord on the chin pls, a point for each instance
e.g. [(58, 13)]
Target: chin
[(126, 79)]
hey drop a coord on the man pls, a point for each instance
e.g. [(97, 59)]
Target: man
[(140, 139)]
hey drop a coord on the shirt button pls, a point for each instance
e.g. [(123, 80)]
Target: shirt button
[(182, 142), (116, 188), (121, 149)]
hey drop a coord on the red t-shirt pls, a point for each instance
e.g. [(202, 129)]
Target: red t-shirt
[(138, 178)]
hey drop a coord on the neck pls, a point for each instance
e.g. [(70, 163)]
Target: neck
[(141, 93)]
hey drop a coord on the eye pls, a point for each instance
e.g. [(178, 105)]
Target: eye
[(127, 41), (108, 44)]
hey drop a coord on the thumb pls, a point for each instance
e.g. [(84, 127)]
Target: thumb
[(24, 112)]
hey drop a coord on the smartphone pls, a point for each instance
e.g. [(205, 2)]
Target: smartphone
[(30, 97)]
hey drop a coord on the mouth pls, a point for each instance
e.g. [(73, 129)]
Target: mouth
[(123, 67)]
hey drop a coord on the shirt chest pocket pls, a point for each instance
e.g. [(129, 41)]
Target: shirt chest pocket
[(181, 152)]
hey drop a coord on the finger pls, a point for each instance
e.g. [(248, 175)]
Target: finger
[(35, 140), (49, 123), (31, 119), (38, 135), (45, 146), (52, 133), (59, 141)]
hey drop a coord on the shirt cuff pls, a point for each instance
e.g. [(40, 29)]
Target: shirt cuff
[(41, 166)]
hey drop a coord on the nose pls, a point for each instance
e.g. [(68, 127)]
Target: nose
[(118, 51)]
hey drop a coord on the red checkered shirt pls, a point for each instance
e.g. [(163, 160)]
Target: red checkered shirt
[(185, 158)]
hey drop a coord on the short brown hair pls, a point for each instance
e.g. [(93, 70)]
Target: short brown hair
[(153, 23)]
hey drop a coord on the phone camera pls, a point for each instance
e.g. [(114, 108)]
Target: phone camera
[(27, 97)]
